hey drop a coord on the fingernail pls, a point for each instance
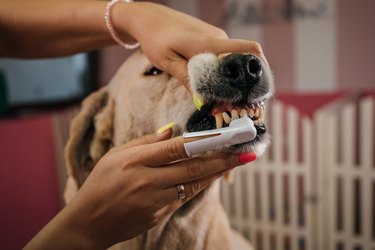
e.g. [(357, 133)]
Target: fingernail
[(247, 157), (198, 101), (165, 127)]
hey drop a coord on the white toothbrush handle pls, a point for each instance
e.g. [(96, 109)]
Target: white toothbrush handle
[(239, 131)]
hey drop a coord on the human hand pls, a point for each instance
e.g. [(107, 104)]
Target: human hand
[(133, 187), (170, 38)]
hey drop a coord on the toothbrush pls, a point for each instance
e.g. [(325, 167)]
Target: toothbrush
[(239, 131)]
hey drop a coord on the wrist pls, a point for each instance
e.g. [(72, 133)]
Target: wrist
[(131, 19), (122, 16), (63, 232), (78, 228)]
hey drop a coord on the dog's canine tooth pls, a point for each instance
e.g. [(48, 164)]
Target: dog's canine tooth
[(261, 113), (251, 113), (256, 113), (226, 117), (243, 113), (219, 120), (234, 114)]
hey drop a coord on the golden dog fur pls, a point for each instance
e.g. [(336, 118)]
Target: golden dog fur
[(131, 106)]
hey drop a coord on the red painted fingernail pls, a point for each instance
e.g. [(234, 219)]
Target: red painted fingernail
[(247, 157)]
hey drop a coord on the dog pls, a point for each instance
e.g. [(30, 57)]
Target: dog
[(139, 99)]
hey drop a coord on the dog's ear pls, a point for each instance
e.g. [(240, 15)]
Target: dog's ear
[(91, 135)]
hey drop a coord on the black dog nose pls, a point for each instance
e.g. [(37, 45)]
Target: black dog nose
[(241, 71)]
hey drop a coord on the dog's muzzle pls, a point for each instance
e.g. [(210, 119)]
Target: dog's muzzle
[(233, 86)]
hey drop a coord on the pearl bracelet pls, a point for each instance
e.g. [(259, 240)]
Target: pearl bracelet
[(110, 27)]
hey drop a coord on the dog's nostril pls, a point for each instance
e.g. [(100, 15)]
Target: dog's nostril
[(231, 71), (254, 66)]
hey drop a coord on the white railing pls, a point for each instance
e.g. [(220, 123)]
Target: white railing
[(350, 174), (315, 187)]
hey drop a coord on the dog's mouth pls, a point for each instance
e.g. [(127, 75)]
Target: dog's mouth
[(232, 86), (217, 115)]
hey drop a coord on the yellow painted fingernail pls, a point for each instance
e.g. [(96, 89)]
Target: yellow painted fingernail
[(166, 127), (198, 101)]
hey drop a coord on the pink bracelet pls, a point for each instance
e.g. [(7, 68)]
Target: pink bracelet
[(110, 27)]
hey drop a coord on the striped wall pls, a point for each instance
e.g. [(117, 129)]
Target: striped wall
[(312, 45), (314, 36)]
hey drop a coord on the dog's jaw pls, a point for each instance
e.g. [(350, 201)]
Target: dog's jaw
[(207, 80)]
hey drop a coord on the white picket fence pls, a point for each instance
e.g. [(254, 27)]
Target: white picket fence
[(315, 187)]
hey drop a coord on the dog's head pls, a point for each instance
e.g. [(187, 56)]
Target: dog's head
[(140, 98)]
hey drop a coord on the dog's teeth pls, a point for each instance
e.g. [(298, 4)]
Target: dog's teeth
[(251, 113), (261, 114), (226, 117), (243, 113), (256, 113), (219, 120), (234, 114), (257, 122)]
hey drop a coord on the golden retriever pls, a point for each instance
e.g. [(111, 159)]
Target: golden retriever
[(139, 99)]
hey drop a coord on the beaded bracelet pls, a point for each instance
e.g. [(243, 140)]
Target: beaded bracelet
[(110, 27)]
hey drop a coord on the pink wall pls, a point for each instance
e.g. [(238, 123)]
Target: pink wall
[(278, 46), (356, 40), (29, 187), (213, 17)]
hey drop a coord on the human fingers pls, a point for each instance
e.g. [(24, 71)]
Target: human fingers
[(164, 152), (176, 65), (178, 69), (161, 153), (220, 46), (190, 189), (146, 139), (199, 167)]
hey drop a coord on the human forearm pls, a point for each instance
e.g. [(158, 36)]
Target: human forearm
[(45, 28), (64, 231)]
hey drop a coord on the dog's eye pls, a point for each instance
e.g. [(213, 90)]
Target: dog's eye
[(153, 71)]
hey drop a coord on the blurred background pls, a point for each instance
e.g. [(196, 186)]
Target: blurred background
[(314, 188)]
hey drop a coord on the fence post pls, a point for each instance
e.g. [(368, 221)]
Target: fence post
[(366, 160)]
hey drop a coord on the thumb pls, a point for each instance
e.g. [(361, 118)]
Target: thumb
[(178, 68), (239, 46)]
